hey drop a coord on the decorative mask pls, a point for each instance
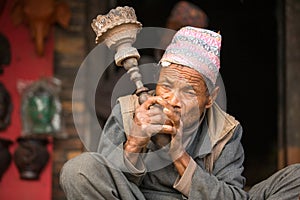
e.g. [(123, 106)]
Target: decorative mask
[(5, 107), (5, 53), (40, 16), (41, 108)]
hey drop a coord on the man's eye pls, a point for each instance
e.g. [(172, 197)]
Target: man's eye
[(192, 93), (165, 86)]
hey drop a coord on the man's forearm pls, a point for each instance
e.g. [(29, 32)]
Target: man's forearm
[(131, 151), (182, 162)]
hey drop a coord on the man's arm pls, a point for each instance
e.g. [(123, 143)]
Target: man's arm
[(182, 163), (225, 182), (112, 144)]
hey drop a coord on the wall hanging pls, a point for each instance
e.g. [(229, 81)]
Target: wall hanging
[(5, 156), (5, 107), (5, 52), (31, 156), (41, 108), (40, 16)]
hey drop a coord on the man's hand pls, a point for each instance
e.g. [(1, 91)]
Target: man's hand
[(154, 117), (149, 119), (177, 152), (176, 146)]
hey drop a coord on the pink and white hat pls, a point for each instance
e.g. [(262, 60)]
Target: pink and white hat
[(196, 48)]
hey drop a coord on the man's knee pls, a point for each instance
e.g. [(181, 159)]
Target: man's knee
[(293, 171), (284, 183), (294, 167), (74, 169), (290, 172), (89, 176)]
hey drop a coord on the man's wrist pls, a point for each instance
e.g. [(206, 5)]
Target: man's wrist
[(182, 162), (133, 147)]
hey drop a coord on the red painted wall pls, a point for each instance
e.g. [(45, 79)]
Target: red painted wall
[(25, 65)]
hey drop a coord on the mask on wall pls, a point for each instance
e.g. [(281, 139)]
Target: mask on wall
[(41, 108), (5, 53), (5, 107), (40, 16)]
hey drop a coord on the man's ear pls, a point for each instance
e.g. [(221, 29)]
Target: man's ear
[(212, 97)]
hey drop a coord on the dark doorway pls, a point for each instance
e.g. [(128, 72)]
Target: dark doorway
[(248, 68)]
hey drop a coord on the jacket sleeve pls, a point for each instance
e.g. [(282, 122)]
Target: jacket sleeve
[(111, 147), (226, 180)]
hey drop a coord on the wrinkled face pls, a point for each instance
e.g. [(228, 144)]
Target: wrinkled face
[(185, 89)]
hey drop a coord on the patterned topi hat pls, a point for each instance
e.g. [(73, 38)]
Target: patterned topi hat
[(196, 48)]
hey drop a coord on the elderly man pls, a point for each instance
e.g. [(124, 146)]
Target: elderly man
[(178, 144)]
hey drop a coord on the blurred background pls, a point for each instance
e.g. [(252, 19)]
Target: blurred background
[(260, 67)]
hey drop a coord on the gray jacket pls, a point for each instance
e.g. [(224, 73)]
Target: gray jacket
[(216, 151)]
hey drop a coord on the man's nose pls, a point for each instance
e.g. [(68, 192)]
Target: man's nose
[(174, 100)]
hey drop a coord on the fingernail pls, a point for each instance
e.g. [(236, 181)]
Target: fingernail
[(159, 100), (166, 110)]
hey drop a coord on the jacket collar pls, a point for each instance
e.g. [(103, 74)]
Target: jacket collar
[(215, 126)]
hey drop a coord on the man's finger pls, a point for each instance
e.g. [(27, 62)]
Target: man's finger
[(151, 101)]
